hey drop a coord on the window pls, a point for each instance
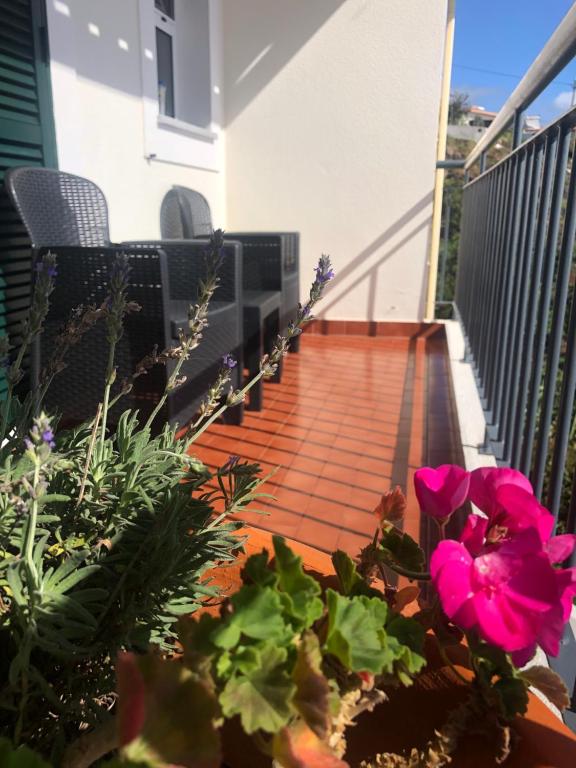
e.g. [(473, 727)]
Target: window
[(165, 58), (165, 6), (183, 60)]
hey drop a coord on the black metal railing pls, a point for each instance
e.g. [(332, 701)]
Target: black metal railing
[(516, 301)]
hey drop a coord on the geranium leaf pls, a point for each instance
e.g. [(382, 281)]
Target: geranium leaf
[(261, 696), (406, 640), (313, 693), (512, 696), (257, 614), (404, 597), (398, 548), (20, 757), (299, 747), (256, 571), (356, 634), (549, 683), (179, 713), (299, 591), (351, 582)]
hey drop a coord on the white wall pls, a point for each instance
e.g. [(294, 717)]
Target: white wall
[(331, 112), (103, 82)]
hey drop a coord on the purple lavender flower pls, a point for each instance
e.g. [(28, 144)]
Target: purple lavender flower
[(48, 269), (229, 362), (230, 464), (48, 438)]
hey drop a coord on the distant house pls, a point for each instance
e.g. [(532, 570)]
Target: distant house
[(471, 124)]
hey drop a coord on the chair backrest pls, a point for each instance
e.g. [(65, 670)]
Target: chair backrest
[(59, 208), (185, 214)]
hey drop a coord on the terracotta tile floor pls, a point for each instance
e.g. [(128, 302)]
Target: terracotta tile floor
[(352, 417)]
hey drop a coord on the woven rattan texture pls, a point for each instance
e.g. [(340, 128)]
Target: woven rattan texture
[(270, 260), (83, 278), (68, 214), (59, 208)]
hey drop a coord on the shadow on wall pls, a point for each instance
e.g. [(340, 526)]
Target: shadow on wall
[(260, 39), (103, 42), (356, 272)]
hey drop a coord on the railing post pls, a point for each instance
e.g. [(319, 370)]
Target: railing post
[(517, 129)]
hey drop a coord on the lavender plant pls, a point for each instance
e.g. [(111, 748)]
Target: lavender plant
[(106, 534)]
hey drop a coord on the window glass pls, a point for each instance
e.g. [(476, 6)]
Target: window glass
[(165, 73), (165, 6)]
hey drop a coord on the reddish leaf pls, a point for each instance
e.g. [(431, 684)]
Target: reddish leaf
[(392, 506), (299, 747), (404, 597), (131, 692), (312, 697)]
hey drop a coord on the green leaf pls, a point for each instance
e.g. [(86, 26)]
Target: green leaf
[(356, 634), (549, 683), (512, 696), (398, 548), (256, 571), (261, 696), (257, 614), (406, 641), (22, 757), (351, 583), (313, 693), (300, 591)]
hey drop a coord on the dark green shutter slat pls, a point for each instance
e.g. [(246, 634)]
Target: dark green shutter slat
[(26, 138), (11, 89), (20, 66), (18, 105)]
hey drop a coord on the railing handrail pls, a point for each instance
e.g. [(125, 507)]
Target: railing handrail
[(558, 51), (566, 118)]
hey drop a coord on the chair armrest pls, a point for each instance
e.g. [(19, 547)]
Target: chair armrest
[(83, 277), (269, 258), (186, 267)]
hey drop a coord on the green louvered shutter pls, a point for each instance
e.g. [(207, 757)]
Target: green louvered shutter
[(26, 138)]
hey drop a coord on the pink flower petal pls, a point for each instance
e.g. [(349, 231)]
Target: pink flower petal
[(561, 547), (500, 623), (522, 657), (442, 490), (518, 509), (485, 481), (474, 533)]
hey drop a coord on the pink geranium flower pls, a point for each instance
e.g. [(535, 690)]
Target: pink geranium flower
[(508, 591), (442, 490), (485, 482)]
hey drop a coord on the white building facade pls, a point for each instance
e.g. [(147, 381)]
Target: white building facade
[(319, 116)]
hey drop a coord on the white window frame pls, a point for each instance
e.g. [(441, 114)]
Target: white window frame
[(168, 139)]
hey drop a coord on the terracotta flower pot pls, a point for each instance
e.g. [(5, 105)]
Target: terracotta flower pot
[(411, 716)]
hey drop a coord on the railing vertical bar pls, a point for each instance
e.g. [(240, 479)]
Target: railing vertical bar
[(497, 283), (556, 333), (487, 210), (497, 208), (507, 293), (517, 363), (503, 263), (545, 296), (517, 261), (522, 413), (564, 418)]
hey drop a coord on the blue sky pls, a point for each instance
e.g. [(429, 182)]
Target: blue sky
[(505, 36)]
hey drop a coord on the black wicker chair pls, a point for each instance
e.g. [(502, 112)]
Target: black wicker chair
[(270, 259), (68, 215)]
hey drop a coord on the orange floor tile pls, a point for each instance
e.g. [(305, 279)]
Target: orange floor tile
[(352, 417)]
